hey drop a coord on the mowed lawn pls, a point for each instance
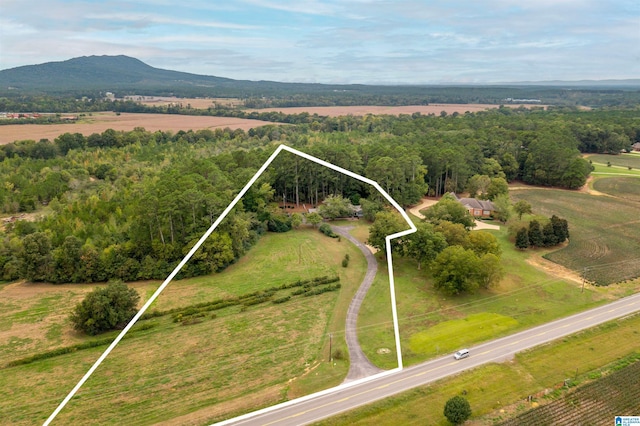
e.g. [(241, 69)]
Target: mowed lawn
[(604, 238), (245, 358)]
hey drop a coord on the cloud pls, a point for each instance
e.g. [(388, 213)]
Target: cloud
[(348, 41)]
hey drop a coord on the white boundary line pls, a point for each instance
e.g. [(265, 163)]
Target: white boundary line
[(208, 233)]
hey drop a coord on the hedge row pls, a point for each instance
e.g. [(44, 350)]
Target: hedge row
[(80, 346), (248, 299)]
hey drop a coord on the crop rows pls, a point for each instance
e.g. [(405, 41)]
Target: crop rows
[(616, 394)]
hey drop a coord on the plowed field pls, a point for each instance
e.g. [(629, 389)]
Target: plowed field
[(98, 123)]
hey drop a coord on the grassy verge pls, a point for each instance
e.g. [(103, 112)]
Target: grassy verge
[(496, 390)]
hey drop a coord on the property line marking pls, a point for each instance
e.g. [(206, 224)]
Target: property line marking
[(206, 235)]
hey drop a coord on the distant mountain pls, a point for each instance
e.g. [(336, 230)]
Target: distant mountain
[(632, 82), (124, 75)]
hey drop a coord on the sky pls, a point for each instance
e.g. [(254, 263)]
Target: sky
[(337, 41)]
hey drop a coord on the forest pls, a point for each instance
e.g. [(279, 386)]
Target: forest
[(129, 205)]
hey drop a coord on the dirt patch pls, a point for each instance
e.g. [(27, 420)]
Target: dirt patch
[(98, 123), (554, 269)]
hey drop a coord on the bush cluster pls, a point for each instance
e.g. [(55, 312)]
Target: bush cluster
[(554, 232), (325, 228)]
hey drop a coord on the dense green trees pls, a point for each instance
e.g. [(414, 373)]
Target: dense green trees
[(553, 232), (386, 223), (133, 201), (424, 245), (335, 206)]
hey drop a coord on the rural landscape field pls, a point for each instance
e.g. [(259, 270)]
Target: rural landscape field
[(524, 202)]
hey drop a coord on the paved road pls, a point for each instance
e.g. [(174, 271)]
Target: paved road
[(319, 406), (359, 365)]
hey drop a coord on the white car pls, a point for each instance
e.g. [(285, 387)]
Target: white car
[(462, 353)]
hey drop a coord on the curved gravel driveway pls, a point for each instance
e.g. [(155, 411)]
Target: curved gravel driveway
[(359, 366)]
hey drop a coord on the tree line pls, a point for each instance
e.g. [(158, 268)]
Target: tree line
[(129, 204)]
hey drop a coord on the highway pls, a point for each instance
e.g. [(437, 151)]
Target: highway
[(347, 397)]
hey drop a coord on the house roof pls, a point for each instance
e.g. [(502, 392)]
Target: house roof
[(474, 203)]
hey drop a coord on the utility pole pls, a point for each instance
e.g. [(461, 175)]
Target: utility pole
[(330, 347), (584, 278)]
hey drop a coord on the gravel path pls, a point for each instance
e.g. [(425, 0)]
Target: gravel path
[(360, 366)]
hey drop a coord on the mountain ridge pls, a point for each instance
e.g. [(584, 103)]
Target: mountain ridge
[(120, 71)]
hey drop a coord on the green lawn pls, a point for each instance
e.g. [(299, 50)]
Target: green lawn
[(431, 323)]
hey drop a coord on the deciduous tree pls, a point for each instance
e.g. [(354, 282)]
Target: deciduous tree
[(449, 209), (424, 244), (386, 223), (522, 207)]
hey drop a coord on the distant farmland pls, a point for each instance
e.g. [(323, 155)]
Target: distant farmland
[(336, 111), (99, 122), (603, 242)]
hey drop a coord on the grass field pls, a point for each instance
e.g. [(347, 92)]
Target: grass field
[(432, 324), (604, 239), (241, 360), (499, 391)]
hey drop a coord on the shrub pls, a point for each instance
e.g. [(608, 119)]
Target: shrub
[(326, 230), (457, 410), (105, 308)]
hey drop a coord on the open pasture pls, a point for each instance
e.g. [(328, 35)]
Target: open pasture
[(604, 240), (99, 122), (227, 362)]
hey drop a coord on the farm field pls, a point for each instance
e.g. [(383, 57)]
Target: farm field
[(336, 111), (246, 357), (604, 239), (627, 188), (600, 401), (99, 122), (196, 103), (497, 392)]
